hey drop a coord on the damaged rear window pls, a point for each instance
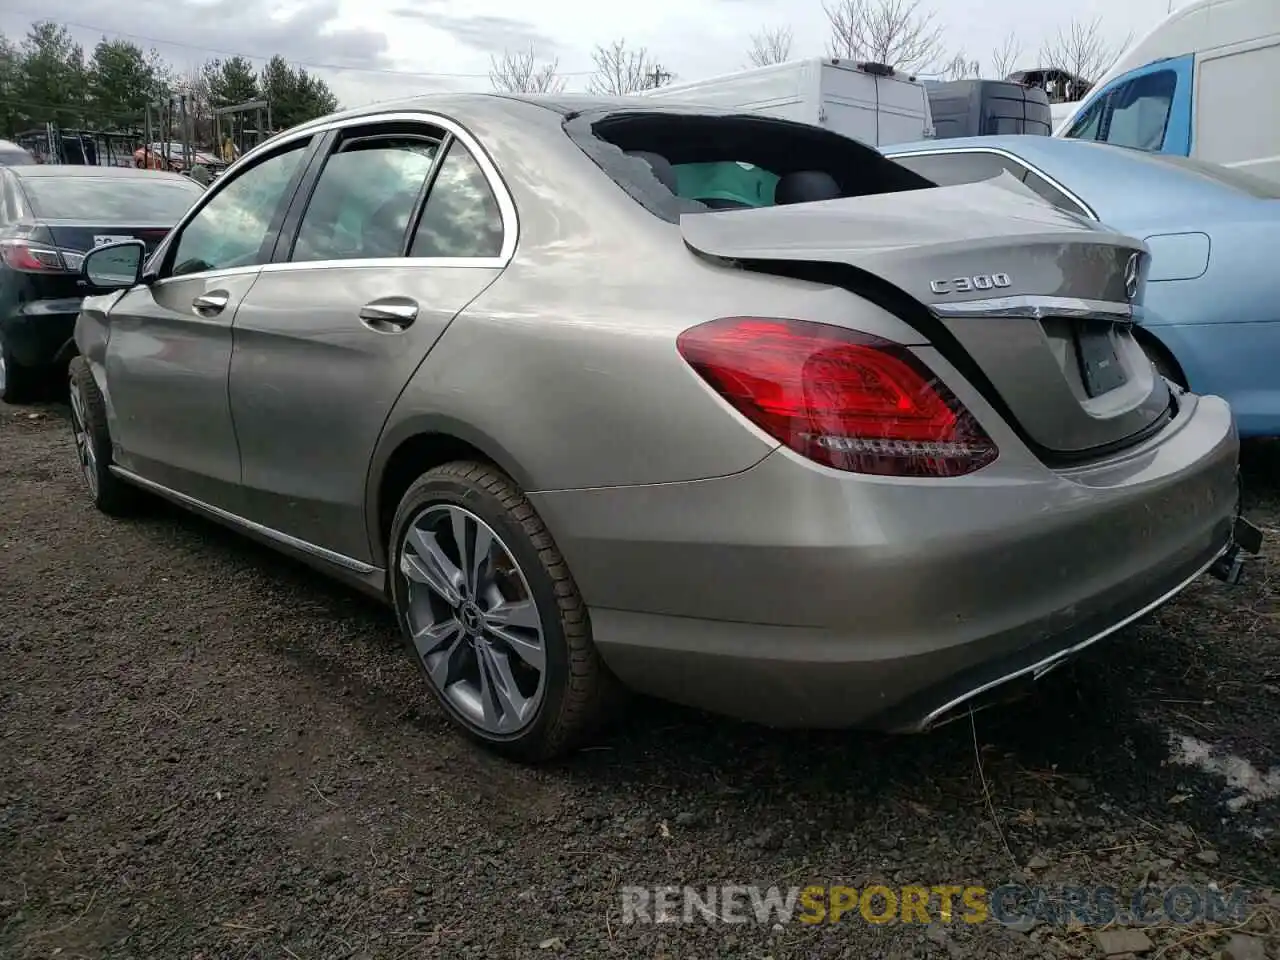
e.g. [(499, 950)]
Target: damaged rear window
[(676, 161)]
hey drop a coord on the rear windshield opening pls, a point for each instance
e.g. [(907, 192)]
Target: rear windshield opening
[(674, 163)]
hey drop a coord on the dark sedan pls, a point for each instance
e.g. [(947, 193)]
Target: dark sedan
[(49, 217)]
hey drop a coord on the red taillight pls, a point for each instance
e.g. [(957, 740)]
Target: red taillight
[(845, 399), (31, 257)]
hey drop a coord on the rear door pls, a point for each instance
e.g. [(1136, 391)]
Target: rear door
[(169, 341), (401, 230)]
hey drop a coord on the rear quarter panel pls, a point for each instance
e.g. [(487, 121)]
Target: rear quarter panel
[(578, 383), (565, 371)]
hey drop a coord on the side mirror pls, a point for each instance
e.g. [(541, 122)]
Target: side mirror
[(114, 266)]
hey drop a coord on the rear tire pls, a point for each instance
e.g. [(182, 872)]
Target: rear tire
[(18, 383), (109, 493), (504, 638)]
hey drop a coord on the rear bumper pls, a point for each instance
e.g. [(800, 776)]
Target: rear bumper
[(798, 596), (39, 332)]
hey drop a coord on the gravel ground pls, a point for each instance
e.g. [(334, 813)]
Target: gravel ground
[(211, 752)]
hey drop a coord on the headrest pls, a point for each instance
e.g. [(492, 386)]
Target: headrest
[(661, 166), (806, 186)]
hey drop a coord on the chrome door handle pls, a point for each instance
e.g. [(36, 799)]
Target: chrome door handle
[(211, 304), (390, 315)]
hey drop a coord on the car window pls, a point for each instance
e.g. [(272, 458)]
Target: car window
[(231, 229), (1139, 111), (111, 200), (461, 217), (1086, 125), (954, 167), (1051, 193), (16, 158), (365, 198)]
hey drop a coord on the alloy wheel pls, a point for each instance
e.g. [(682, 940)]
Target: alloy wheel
[(473, 619), (2, 370), (84, 444)]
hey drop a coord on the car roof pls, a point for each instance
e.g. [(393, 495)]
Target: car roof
[(1101, 173), (468, 107), (42, 170)]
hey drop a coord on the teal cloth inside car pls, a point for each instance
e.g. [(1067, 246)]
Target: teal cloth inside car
[(735, 182)]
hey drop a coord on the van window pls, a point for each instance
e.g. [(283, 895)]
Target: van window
[(1140, 111), (1086, 125), (1133, 114)]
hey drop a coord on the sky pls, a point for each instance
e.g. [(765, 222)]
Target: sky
[(370, 50)]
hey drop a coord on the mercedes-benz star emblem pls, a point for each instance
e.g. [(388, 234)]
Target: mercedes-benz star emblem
[(1131, 276)]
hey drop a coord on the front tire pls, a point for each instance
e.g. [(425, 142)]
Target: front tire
[(109, 493), (492, 614)]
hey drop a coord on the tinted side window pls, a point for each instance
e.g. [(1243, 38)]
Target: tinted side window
[(1086, 125), (364, 199), (949, 169), (1051, 193), (461, 218), (1139, 111), (231, 229)]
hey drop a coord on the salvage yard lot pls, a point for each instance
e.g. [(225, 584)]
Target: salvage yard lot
[(211, 752)]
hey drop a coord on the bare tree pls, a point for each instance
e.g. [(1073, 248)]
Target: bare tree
[(621, 70), (898, 32), (1005, 57), (1082, 51), (770, 45), (960, 66), (520, 72)]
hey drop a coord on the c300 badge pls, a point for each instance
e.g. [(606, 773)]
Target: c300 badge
[(983, 281)]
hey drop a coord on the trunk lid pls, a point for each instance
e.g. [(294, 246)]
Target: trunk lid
[(1034, 298)]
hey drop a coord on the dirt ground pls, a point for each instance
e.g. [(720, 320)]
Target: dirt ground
[(207, 751)]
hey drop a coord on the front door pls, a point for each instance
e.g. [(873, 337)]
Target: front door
[(400, 233), (169, 342)]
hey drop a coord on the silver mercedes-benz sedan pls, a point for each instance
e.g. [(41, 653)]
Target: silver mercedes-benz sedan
[(732, 410)]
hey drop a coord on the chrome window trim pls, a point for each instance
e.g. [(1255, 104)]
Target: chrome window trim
[(491, 263), (209, 274), (331, 556), (506, 205), (1037, 308), (1005, 154)]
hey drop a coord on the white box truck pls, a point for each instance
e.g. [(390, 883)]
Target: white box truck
[(867, 101)]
